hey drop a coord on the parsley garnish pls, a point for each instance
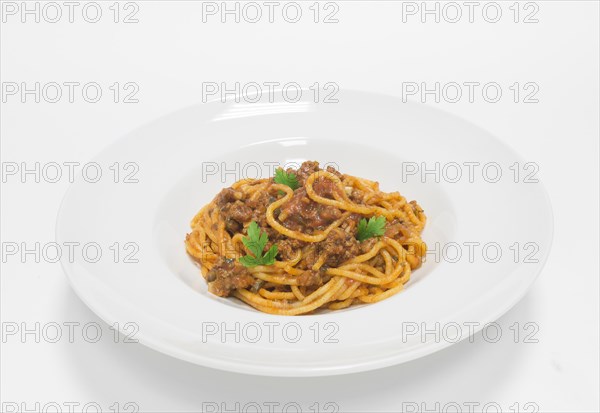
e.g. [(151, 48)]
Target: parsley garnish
[(284, 178), (375, 227), (256, 242)]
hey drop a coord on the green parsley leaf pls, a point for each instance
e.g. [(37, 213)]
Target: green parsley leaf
[(249, 261), (375, 227), (256, 242), (284, 178)]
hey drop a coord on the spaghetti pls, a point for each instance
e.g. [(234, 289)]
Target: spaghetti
[(313, 226)]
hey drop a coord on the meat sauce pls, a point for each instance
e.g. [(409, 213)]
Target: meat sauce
[(301, 214)]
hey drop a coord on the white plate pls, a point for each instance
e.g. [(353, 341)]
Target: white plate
[(368, 135)]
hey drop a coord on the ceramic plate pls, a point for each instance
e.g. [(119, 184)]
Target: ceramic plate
[(489, 231)]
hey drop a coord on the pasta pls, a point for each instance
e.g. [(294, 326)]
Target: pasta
[(307, 239)]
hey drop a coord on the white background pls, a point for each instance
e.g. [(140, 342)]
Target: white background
[(170, 52)]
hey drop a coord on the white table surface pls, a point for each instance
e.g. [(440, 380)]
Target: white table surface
[(169, 53)]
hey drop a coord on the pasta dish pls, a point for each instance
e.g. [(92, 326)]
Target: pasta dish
[(307, 239)]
